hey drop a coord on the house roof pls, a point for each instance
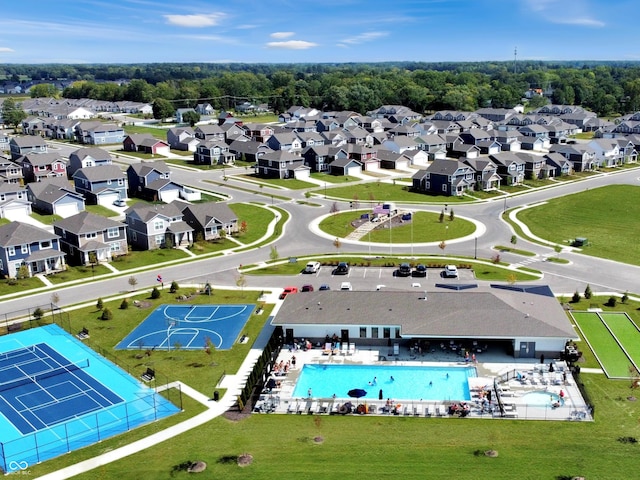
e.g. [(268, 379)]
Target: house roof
[(104, 172), (205, 213), (145, 168), (94, 152), (86, 222), (18, 233), (146, 212), (42, 159), (446, 166), (482, 312)]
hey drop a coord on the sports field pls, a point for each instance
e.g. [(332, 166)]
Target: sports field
[(614, 339)]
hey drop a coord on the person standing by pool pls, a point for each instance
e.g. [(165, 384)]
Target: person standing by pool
[(391, 378), (309, 393)]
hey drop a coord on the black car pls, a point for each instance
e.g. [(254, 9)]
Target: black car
[(419, 271), (404, 270), (342, 269)]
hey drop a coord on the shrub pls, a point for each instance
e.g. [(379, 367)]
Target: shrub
[(38, 313), (124, 304), (612, 301), (99, 304), (106, 314), (155, 293), (624, 298), (496, 258), (576, 297), (587, 292), (174, 287)]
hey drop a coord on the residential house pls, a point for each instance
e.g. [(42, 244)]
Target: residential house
[(10, 172), (88, 157), (345, 166), (14, 203), (393, 160), (288, 142), (36, 167), (63, 129), (560, 165), (88, 238), (536, 144), (4, 142), (582, 157), (434, 144), (486, 173), (20, 146), (146, 143), (98, 133), (210, 152), (366, 156), (33, 126), (210, 219), (35, 248), (444, 177), (612, 152), (101, 185), (401, 144), (511, 167), (141, 175), (459, 149), (248, 151), (182, 138), (205, 109), (55, 196), (258, 132), (209, 132), (417, 157), (282, 164), (157, 226), (535, 166), (509, 140)]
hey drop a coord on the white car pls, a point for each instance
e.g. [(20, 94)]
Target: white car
[(451, 271), (346, 286), (312, 267)]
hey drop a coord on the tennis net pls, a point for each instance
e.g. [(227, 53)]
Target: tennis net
[(36, 377)]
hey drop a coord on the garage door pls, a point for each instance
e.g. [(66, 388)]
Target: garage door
[(107, 199), (66, 210), (354, 170), (169, 196)]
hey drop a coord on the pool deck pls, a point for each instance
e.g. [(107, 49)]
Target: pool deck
[(534, 377)]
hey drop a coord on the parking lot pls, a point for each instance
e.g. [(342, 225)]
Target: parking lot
[(379, 278)]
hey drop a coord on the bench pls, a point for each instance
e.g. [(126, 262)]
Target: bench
[(83, 334), (149, 375)]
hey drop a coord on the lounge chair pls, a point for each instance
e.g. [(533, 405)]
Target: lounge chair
[(322, 408), (428, 411), (149, 375), (352, 348), (440, 410), (344, 349), (290, 408), (327, 350), (298, 408)]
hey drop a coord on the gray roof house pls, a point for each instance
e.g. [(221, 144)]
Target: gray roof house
[(37, 249), (209, 219), (157, 226), (87, 238), (101, 185), (55, 196), (14, 203), (88, 157)]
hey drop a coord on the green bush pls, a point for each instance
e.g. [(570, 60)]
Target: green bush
[(576, 297), (99, 304), (155, 293), (124, 304), (106, 314), (612, 301), (174, 287)]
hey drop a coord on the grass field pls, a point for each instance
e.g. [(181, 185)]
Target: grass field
[(611, 357), (627, 334), (609, 217), (385, 192), (426, 228)]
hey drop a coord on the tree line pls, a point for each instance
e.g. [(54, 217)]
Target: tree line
[(607, 88)]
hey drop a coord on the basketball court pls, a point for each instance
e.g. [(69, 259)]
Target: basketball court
[(189, 327)]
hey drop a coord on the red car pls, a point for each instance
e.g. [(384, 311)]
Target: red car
[(307, 288), (287, 291)]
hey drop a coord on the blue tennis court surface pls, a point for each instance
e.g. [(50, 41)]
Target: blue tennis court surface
[(58, 395), (188, 327)]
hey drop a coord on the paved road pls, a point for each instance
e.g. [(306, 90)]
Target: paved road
[(299, 240)]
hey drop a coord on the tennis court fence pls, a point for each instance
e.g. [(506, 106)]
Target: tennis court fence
[(36, 377), (30, 317)]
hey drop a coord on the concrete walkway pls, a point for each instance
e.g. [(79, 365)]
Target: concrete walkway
[(233, 385)]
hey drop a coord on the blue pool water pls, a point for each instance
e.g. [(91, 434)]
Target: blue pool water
[(541, 399), (408, 383)]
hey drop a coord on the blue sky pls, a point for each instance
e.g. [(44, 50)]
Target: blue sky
[(282, 31)]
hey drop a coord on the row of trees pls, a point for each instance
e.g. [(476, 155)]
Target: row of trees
[(605, 88)]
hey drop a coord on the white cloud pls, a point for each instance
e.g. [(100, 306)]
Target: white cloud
[(576, 12), (282, 34), (364, 37), (6, 50), (586, 22), (292, 45), (195, 21)]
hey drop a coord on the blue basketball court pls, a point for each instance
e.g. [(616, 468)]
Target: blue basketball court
[(189, 327), (58, 395)]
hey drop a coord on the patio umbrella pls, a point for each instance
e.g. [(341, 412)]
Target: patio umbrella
[(357, 393)]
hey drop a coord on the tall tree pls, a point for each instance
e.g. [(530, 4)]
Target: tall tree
[(12, 112), (163, 109)]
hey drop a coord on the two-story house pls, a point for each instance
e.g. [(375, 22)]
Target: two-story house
[(14, 201), (88, 157), (98, 133), (87, 238), (213, 153), (444, 177), (55, 196), (36, 167), (510, 167), (101, 185), (209, 132), (486, 173), (182, 138), (35, 248), (20, 146), (582, 157), (157, 226), (209, 219), (10, 172), (282, 164)]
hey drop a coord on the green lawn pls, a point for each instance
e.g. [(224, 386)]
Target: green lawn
[(626, 332), (375, 192), (159, 133), (612, 359), (46, 219), (331, 179), (257, 220), (9, 286), (608, 216), (101, 210), (148, 257), (77, 273), (517, 251), (290, 183), (426, 228)]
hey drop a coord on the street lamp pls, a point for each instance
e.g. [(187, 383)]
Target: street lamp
[(475, 251), (325, 190)]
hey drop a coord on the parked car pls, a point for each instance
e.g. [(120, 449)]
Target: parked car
[(324, 286), (287, 291), (307, 288), (120, 203), (404, 270), (346, 286), (450, 271), (312, 267), (420, 271), (342, 269)]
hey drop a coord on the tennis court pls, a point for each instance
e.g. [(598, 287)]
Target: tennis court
[(189, 327), (58, 395), (614, 339)]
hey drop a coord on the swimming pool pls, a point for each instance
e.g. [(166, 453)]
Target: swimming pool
[(396, 382), (542, 399)]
